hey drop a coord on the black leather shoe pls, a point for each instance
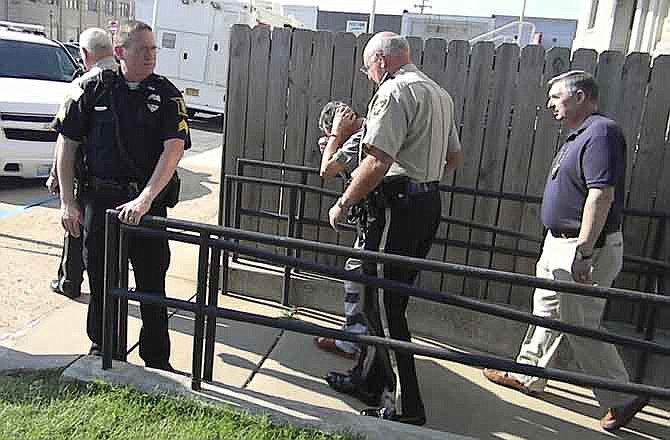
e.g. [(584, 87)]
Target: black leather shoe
[(54, 285), (160, 366), (389, 414), (94, 350), (344, 383), (65, 288)]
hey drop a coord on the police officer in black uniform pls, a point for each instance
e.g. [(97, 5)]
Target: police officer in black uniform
[(133, 129)]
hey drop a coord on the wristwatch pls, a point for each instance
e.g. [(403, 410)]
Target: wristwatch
[(579, 255)]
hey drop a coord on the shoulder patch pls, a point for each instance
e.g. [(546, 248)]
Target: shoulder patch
[(380, 105), (181, 106), (183, 126)]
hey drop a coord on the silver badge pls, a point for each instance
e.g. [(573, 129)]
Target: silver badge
[(153, 102)]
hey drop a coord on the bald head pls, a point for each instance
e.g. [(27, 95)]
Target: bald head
[(391, 46)]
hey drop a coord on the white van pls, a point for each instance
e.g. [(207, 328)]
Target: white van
[(193, 38)]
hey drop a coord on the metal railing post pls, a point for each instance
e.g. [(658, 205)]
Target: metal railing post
[(110, 302), (290, 233), (212, 303), (121, 349), (199, 324), (301, 212), (238, 202)]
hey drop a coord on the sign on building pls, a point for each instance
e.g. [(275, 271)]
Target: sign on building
[(357, 27)]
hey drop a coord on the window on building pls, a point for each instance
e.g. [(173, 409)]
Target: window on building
[(72, 4), (92, 5), (169, 40), (594, 13), (124, 9), (109, 7)]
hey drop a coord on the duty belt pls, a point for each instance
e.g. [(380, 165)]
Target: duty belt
[(97, 184), (404, 185), (574, 233)]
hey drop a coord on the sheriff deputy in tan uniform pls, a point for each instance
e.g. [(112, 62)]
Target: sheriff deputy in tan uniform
[(410, 139)]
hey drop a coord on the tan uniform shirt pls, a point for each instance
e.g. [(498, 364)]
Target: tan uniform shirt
[(411, 118)]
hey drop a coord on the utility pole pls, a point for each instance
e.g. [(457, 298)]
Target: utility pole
[(371, 22), (521, 17), (423, 5)]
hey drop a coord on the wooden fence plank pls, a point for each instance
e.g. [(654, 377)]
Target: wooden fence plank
[(320, 75), (416, 50), (434, 61), (255, 124), (479, 85), (340, 89), (456, 74), (518, 158), (298, 83), (363, 87), (236, 105), (635, 78), (585, 59), (275, 123), (493, 156), (454, 82), (608, 77), (557, 61)]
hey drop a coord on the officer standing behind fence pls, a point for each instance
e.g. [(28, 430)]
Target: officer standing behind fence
[(410, 136), (134, 131), (95, 47), (582, 210)]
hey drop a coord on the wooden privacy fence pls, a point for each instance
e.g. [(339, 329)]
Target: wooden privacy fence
[(279, 80)]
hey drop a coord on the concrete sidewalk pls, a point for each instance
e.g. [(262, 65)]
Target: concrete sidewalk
[(263, 369)]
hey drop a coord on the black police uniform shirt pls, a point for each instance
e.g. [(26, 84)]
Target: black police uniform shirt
[(149, 113), (593, 156)]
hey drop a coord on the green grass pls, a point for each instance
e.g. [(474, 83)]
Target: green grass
[(38, 406)]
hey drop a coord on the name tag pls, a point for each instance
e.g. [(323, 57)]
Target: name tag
[(101, 108)]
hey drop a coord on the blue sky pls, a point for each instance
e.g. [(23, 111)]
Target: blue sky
[(535, 8)]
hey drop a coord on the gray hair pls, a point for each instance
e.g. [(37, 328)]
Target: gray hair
[(575, 80), (328, 114), (129, 31), (387, 44), (95, 40)]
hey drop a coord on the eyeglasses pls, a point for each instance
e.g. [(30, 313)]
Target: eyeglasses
[(366, 69)]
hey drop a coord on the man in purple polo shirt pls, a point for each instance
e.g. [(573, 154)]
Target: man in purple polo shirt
[(581, 208)]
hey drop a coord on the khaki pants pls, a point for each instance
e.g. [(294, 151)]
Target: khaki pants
[(540, 344)]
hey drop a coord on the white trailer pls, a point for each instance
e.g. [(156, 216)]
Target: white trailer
[(193, 37)]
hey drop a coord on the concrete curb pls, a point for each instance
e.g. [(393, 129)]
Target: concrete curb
[(279, 410), (12, 361)]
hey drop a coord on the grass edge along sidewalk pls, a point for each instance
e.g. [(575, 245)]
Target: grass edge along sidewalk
[(39, 405)]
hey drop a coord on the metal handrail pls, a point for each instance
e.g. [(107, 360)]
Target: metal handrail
[(220, 241)]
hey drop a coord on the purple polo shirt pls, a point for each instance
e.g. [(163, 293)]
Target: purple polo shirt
[(593, 156)]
